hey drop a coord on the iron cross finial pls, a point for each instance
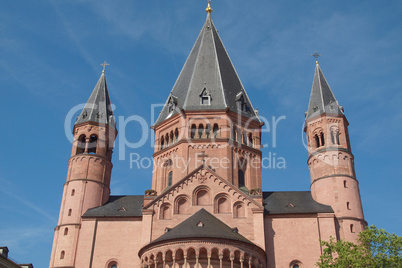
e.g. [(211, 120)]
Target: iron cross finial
[(104, 64), (316, 56)]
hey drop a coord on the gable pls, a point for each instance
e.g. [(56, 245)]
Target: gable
[(203, 189), (202, 178)]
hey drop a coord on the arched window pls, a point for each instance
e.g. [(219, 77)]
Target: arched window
[(162, 142), (165, 212), (242, 165), (222, 204), (69, 212), (171, 137), (81, 144), (193, 130), (182, 205), (72, 192), (295, 264), (344, 184), (244, 135), (216, 130), (201, 196), (352, 229), (317, 141), (170, 178), (348, 205), (239, 210), (176, 134), (200, 130), (112, 264), (335, 135), (62, 254), (241, 178), (250, 140), (93, 142), (208, 131), (234, 134), (322, 139), (167, 139), (66, 231)]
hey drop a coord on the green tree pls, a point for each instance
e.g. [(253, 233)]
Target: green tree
[(376, 248)]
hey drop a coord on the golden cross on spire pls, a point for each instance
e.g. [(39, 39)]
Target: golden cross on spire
[(104, 64), (209, 9)]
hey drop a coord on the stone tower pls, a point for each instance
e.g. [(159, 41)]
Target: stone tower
[(89, 171), (333, 178), (208, 118)]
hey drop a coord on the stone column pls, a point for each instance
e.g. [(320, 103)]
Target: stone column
[(87, 140), (220, 260), (231, 262), (196, 261)]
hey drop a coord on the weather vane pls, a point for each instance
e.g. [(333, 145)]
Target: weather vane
[(316, 56), (104, 64)]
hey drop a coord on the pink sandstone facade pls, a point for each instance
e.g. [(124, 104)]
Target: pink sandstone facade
[(213, 212)]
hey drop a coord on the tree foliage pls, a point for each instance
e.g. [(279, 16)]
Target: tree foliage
[(376, 248)]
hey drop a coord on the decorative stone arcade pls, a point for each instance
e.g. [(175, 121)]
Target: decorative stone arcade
[(202, 254)]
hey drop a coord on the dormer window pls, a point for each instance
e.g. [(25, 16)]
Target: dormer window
[(205, 97), (172, 103), (240, 102), (84, 114)]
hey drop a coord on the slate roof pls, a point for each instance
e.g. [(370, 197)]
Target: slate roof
[(322, 99), (292, 202), (118, 206), (98, 108), (211, 228), (295, 202), (207, 67)]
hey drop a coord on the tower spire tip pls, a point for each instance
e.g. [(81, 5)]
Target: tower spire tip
[(104, 64), (209, 9), (316, 56)]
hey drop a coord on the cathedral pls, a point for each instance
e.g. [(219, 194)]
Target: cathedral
[(211, 211)]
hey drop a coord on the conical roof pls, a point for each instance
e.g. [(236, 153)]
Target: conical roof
[(202, 225), (322, 99), (98, 108), (208, 73)]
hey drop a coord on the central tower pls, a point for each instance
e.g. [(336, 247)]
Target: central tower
[(208, 118)]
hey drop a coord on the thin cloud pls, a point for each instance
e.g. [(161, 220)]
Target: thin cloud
[(13, 194)]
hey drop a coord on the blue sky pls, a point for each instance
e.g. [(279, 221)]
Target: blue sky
[(50, 53)]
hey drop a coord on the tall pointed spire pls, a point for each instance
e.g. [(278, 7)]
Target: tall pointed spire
[(209, 75), (322, 99), (98, 108)]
